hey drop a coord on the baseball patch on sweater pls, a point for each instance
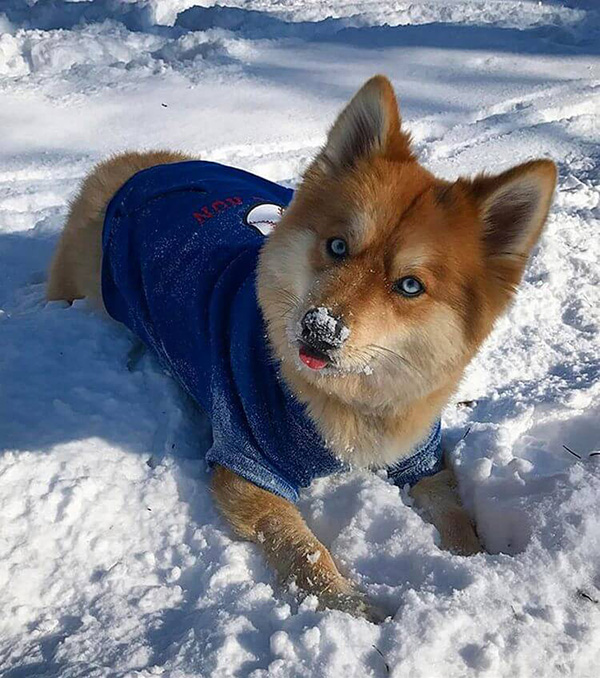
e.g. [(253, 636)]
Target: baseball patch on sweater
[(264, 217)]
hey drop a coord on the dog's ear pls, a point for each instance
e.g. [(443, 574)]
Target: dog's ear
[(368, 126), (513, 207)]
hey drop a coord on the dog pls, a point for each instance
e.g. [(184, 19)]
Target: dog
[(334, 342)]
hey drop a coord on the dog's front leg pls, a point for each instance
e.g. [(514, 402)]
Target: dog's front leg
[(289, 545), (438, 498)]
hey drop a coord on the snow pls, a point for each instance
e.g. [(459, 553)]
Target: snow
[(320, 320), (113, 559)]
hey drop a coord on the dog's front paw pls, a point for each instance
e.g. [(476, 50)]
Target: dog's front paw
[(353, 602), (358, 606), (458, 534)]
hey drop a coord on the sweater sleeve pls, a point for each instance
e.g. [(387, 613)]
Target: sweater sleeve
[(426, 459)]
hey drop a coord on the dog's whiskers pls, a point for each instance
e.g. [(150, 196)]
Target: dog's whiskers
[(375, 351), (394, 355), (358, 358), (289, 296)]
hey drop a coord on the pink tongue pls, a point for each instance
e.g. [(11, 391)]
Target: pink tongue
[(311, 361)]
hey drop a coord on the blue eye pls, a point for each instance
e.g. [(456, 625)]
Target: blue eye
[(337, 248), (409, 286)]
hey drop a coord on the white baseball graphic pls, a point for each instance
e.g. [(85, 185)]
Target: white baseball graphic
[(264, 217)]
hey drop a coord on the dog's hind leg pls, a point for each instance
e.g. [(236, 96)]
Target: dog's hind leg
[(76, 268), (62, 283), (437, 497), (289, 545)]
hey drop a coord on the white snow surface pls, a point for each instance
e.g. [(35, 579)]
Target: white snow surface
[(113, 559)]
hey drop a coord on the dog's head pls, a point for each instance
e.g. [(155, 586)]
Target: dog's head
[(381, 281)]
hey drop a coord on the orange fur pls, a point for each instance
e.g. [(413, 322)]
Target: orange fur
[(289, 545), (76, 266), (467, 241), (398, 220)]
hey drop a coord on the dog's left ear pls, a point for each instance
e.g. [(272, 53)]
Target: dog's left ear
[(513, 207), (368, 126)]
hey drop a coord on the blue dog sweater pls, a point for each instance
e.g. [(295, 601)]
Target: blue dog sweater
[(179, 270)]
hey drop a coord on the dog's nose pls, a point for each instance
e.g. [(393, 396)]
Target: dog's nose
[(322, 330)]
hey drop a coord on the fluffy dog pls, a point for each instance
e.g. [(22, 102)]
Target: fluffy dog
[(334, 342)]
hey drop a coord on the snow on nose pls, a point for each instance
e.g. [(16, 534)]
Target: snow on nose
[(320, 326)]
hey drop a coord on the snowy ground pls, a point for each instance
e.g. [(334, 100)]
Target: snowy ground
[(113, 561)]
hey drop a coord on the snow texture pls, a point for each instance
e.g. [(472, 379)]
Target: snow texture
[(113, 560), (320, 322)]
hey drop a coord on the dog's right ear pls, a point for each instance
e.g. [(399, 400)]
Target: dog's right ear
[(368, 126)]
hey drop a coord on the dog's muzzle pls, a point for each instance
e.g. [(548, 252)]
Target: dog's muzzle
[(322, 331)]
